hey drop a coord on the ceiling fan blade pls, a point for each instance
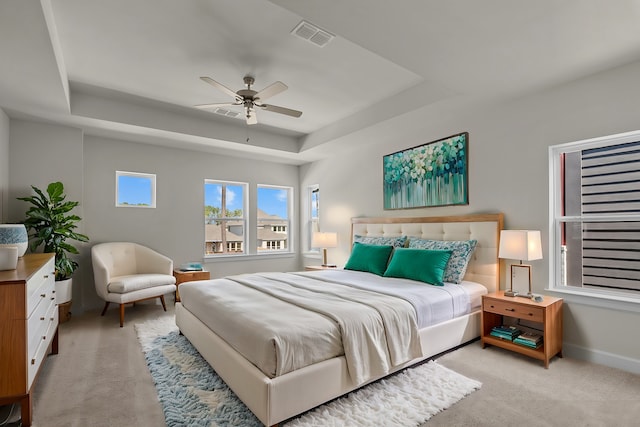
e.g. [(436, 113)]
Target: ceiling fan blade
[(223, 104), (281, 110), (220, 86), (271, 90)]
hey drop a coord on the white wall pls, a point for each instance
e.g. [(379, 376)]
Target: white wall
[(508, 172), (4, 165)]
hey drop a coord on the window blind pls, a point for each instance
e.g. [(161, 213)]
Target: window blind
[(610, 185)]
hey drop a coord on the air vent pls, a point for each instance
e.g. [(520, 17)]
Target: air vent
[(225, 112), (312, 34)]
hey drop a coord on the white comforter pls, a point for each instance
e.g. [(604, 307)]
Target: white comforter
[(284, 321)]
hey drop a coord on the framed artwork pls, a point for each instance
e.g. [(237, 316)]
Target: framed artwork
[(433, 174)]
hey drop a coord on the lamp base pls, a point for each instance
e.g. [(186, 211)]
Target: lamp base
[(511, 293), (329, 265)]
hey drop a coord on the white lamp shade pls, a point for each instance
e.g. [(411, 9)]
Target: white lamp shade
[(524, 245), (324, 240)]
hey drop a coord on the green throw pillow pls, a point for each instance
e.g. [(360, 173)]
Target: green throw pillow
[(418, 264), (370, 258)]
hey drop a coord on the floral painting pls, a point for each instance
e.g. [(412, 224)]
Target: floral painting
[(433, 174)]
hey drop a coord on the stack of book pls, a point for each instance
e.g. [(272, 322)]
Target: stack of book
[(529, 339), (504, 332)]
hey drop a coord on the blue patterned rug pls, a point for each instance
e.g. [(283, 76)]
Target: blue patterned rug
[(192, 394)]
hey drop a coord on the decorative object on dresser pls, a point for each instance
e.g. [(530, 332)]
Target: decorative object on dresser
[(433, 174), (183, 276), (540, 336), (521, 245), (8, 258), (28, 327), (14, 235), (323, 241), (126, 272), (52, 224)]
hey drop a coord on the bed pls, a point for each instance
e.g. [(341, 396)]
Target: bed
[(275, 393)]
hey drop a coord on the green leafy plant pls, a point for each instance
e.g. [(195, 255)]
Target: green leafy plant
[(51, 225)]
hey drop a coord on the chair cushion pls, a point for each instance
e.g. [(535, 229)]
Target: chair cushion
[(135, 282)]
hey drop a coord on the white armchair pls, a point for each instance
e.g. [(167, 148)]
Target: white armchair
[(128, 272)]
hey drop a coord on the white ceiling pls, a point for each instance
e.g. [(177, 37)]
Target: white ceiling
[(131, 68)]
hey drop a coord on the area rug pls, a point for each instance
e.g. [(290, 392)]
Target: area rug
[(192, 394)]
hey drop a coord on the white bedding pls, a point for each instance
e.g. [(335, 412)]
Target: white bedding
[(282, 334)]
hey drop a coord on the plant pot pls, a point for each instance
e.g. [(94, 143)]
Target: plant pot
[(14, 235), (63, 291)]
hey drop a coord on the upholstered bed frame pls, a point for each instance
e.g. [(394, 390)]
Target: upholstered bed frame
[(274, 400)]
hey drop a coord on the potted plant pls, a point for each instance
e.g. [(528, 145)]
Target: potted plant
[(51, 225)]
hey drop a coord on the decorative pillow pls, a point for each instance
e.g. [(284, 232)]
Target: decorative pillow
[(460, 256), (418, 264), (370, 258), (396, 242)]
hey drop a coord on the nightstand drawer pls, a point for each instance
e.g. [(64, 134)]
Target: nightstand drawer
[(507, 308)]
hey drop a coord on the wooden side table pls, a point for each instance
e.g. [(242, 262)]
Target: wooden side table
[(548, 313), (188, 276)]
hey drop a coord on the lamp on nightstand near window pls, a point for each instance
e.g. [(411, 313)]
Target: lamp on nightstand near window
[(523, 245), (323, 241)]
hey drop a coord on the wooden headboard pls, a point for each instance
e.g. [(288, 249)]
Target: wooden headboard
[(484, 266)]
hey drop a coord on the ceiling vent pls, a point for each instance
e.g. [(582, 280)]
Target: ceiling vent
[(312, 34), (225, 112)]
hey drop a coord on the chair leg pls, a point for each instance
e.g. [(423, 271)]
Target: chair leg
[(163, 304), (104, 310), (121, 315)]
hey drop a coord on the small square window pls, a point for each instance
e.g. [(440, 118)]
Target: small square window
[(135, 190)]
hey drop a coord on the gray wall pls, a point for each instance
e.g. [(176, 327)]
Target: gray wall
[(41, 153), (508, 172)]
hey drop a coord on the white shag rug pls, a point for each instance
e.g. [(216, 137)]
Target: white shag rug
[(192, 394)]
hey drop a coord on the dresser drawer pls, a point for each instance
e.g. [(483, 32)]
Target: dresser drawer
[(513, 309), (38, 284), (42, 315), (40, 351)]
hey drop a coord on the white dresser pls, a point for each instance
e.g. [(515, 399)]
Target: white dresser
[(28, 327)]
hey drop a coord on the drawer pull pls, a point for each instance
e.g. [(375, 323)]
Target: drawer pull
[(510, 309), (46, 276), (33, 361), (52, 298), (42, 318), (43, 295), (44, 337)]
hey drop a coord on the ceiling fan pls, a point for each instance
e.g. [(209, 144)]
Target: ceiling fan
[(251, 99)]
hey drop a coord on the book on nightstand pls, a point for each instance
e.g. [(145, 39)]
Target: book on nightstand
[(529, 339), (508, 333)]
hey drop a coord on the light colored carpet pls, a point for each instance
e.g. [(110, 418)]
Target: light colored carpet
[(192, 394), (100, 378)]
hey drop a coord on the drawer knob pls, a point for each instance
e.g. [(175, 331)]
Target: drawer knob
[(43, 295), (46, 276), (33, 361), (52, 298), (42, 318), (44, 337)]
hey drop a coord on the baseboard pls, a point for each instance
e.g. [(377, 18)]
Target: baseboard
[(601, 357)]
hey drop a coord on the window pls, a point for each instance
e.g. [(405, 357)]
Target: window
[(595, 210), (274, 219), (135, 190), (312, 215), (225, 207)]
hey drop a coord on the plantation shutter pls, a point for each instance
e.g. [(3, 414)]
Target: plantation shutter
[(610, 186)]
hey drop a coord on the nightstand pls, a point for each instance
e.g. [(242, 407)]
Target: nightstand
[(547, 314), (188, 276), (318, 267)]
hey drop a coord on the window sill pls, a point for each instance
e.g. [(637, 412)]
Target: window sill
[(597, 299), (245, 257)]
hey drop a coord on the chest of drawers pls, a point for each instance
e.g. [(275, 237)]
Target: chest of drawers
[(28, 327)]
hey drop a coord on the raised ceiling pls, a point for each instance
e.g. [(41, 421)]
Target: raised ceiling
[(131, 68)]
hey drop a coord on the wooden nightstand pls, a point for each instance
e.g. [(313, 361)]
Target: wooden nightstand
[(318, 267), (547, 314), (188, 276)]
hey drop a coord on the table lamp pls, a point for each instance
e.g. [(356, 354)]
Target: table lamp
[(323, 241), (523, 245)]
